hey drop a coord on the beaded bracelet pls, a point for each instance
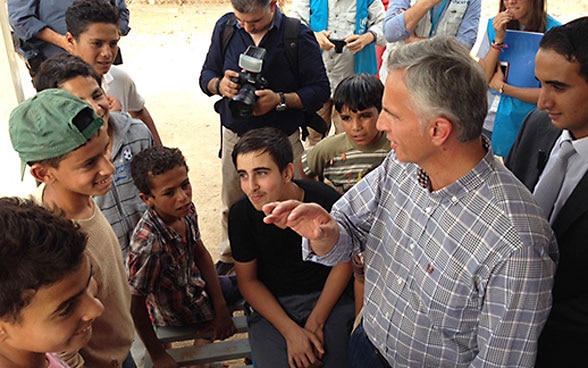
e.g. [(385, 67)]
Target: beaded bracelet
[(497, 45)]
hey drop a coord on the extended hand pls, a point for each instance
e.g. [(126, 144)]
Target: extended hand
[(307, 219)]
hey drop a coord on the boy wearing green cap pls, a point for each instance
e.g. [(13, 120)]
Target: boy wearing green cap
[(63, 141)]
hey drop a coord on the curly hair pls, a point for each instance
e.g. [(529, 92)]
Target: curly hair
[(37, 248), (154, 161)]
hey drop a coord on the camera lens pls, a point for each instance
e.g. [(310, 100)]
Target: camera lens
[(242, 104)]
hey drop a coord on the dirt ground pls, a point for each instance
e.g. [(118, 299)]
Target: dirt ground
[(164, 53)]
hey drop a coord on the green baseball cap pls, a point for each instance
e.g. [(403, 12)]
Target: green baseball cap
[(50, 124)]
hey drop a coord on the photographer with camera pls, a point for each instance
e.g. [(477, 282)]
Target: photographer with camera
[(347, 32), (287, 90)]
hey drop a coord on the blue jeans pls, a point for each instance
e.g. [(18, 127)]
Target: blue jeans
[(362, 353)]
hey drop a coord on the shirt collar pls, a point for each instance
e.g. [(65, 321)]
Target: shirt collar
[(580, 145), (167, 232), (473, 178)]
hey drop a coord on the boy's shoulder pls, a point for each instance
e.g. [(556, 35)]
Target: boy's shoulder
[(331, 146), (129, 131)]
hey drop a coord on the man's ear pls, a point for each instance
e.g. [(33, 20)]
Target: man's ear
[(42, 173), (288, 172), (71, 42), (440, 130)]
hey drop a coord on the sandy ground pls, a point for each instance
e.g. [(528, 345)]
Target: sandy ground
[(164, 53)]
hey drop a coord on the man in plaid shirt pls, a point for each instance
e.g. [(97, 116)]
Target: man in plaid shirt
[(459, 260)]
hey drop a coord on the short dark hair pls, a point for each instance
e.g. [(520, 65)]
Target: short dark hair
[(359, 92), (153, 161), (571, 41), (37, 248), (270, 140), (83, 13), (250, 6), (60, 68)]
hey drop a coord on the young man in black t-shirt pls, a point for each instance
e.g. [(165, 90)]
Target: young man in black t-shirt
[(300, 311)]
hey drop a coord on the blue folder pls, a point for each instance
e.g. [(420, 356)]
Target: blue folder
[(519, 54)]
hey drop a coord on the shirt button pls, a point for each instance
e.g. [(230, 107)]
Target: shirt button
[(399, 281), (428, 210), (411, 246), (454, 199)]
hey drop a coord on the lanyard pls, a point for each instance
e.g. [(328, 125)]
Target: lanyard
[(435, 18)]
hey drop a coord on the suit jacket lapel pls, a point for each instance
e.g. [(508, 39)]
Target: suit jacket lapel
[(575, 206)]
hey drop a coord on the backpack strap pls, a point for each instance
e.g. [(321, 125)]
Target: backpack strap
[(228, 32), (291, 31)]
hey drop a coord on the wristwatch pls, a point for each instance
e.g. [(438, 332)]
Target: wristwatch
[(281, 106)]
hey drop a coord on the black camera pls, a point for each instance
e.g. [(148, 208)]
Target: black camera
[(339, 44), (244, 101)]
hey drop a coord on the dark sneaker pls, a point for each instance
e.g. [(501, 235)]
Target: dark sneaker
[(223, 268)]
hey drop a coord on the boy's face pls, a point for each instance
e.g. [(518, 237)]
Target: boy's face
[(171, 194), (360, 126), (59, 317), (97, 46), (564, 92), (87, 89), (86, 170), (261, 180)]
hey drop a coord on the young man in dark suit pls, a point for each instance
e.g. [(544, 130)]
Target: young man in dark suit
[(562, 115)]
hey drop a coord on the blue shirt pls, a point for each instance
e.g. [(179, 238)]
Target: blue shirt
[(309, 82), (458, 277), (395, 26)]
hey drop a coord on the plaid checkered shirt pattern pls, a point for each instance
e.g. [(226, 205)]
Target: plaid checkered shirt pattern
[(459, 277), (161, 266)]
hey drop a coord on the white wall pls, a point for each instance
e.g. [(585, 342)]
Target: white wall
[(11, 93)]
